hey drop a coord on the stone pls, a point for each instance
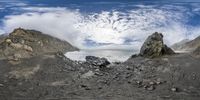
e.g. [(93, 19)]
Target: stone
[(154, 46), (96, 61), (88, 74), (17, 56), (28, 48), (174, 89), (1, 85), (150, 88), (151, 83), (8, 41)]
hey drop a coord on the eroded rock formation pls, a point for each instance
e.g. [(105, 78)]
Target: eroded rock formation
[(155, 47)]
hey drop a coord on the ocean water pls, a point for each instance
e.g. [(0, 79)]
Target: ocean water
[(111, 55)]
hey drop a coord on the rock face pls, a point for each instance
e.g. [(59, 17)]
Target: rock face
[(154, 46), (27, 43), (96, 61)]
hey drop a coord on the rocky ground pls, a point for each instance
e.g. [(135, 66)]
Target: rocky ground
[(155, 76)]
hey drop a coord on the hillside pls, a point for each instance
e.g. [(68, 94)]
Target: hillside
[(187, 45), (23, 43)]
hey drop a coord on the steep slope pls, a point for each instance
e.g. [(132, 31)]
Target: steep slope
[(188, 46), (196, 52), (25, 43), (178, 46)]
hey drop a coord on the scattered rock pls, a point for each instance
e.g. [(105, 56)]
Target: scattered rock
[(96, 61), (154, 46)]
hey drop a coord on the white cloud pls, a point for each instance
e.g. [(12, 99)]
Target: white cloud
[(44, 9), (1, 32), (107, 27)]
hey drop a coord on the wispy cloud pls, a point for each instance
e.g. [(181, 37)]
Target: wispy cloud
[(114, 29)]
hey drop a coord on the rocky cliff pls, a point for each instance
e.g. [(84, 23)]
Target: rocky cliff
[(23, 43)]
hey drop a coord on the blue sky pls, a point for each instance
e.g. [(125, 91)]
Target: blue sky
[(105, 24)]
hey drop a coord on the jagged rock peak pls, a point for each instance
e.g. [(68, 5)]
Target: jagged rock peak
[(18, 31), (155, 47)]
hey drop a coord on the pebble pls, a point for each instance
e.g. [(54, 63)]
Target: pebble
[(150, 88), (158, 82), (139, 82), (151, 83), (174, 89), (1, 85)]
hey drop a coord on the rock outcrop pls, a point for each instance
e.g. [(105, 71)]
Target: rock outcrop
[(28, 43), (154, 46)]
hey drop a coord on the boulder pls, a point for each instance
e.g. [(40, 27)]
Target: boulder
[(154, 46), (96, 61)]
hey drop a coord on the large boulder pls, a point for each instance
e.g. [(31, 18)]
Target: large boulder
[(154, 46), (96, 61)]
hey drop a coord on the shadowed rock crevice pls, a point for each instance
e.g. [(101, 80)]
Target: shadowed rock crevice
[(155, 47)]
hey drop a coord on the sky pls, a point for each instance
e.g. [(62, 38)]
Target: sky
[(104, 24)]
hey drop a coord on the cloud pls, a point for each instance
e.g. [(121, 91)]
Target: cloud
[(106, 29), (44, 9), (1, 32)]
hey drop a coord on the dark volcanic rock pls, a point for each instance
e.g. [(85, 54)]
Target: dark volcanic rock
[(27, 43), (154, 46), (96, 61)]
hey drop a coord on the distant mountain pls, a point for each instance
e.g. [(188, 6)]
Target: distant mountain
[(196, 52), (23, 43), (186, 45), (178, 46)]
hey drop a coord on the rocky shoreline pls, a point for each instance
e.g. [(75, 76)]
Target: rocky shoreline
[(157, 73)]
